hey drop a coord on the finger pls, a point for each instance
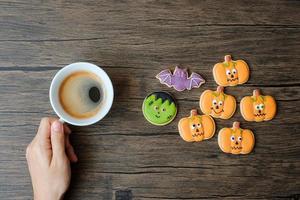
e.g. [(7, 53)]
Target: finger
[(43, 134), (45, 125), (58, 140), (70, 150), (44, 128), (67, 129)]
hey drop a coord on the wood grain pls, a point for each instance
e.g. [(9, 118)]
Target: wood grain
[(123, 156)]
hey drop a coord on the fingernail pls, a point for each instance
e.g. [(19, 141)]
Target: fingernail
[(56, 127), (75, 159)]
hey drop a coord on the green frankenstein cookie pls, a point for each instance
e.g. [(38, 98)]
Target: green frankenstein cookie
[(159, 108)]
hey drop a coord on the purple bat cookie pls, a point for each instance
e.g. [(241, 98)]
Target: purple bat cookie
[(179, 80)]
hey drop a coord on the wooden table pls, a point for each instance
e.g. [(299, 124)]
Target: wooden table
[(123, 156)]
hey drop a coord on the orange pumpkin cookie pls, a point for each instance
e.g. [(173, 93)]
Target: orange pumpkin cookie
[(258, 107), (217, 103), (236, 140), (196, 128), (230, 72)]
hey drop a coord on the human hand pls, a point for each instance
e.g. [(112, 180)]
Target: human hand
[(48, 157)]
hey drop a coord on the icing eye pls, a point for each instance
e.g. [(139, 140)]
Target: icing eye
[(199, 125), (234, 71), (257, 107), (193, 126), (240, 138), (220, 103), (228, 72), (156, 108), (164, 110), (214, 102), (232, 138), (261, 106)]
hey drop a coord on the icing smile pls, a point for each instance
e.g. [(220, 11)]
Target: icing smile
[(197, 134), (236, 148), (259, 114), (157, 116), (217, 112), (232, 79)]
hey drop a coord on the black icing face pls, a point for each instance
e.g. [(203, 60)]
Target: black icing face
[(236, 141), (217, 105), (196, 128), (231, 73)]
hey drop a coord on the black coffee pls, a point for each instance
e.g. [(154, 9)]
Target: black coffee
[(94, 94), (80, 94)]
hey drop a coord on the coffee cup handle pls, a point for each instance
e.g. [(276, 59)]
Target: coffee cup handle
[(61, 120)]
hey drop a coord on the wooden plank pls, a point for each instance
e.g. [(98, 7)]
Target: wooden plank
[(64, 20), (263, 47)]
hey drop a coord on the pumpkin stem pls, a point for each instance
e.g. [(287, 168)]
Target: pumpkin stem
[(220, 89), (227, 58), (236, 125), (256, 92), (194, 112)]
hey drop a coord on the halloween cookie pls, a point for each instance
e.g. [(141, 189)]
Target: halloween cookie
[(236, 140), (159, 108), (179, 80), (217, 103), (230, 72), (196, 128), (258, 107)]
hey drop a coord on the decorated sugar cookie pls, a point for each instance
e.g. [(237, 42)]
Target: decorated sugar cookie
[(236, 140), (230, 72), (179, 80), (159, 108), (196, 128), (258, 107), (217, 103)]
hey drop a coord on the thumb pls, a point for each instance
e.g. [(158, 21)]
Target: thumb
[(58, 139)]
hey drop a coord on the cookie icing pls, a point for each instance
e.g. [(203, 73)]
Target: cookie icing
[(159, 108), (258, 107), (179, 79), (230, 72), (196, 128), (236, 140), (217, 103)]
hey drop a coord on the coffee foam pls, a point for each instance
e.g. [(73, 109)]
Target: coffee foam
[(74, 94)]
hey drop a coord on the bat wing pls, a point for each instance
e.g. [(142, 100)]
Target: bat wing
[(165, 77), (195, 81)]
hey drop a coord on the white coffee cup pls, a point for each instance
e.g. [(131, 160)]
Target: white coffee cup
[(107, 90)]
